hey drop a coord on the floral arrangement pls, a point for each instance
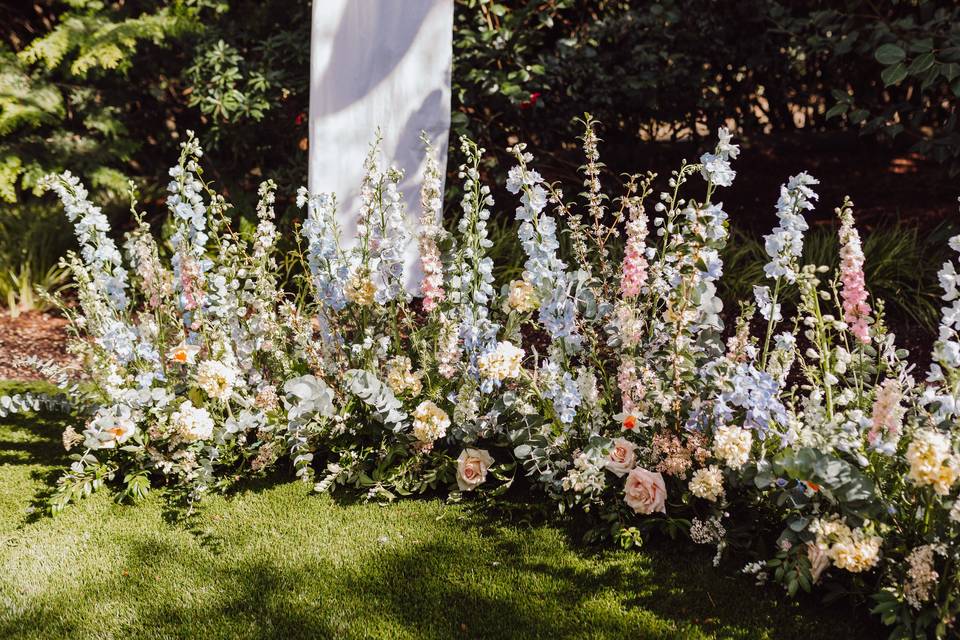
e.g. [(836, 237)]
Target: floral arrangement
[(606, 375)]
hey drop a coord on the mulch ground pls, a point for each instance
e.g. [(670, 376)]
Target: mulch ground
[(41, 335)]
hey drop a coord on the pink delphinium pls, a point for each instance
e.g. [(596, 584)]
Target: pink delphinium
[(634, 259), (431, 203), (856, 310)]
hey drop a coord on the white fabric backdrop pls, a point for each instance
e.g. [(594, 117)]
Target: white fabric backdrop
[(378, 63)]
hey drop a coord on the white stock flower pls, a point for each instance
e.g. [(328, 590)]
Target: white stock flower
[(502, 363)]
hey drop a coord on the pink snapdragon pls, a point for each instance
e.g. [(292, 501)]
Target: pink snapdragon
[(634, 260), (856, 310), (431, 203), (631, 386), (432, 284), (191, 283)]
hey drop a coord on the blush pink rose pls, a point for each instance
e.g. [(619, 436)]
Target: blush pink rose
[(644, 492), (622, 458), (472, 468)]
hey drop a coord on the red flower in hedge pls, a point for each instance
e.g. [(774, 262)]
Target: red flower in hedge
[(532, 101)]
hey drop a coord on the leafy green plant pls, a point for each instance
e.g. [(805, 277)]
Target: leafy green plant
[(894, 69)]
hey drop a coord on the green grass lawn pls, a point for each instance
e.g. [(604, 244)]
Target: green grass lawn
[(275, 561)]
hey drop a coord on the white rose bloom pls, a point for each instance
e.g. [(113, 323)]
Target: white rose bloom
[(193, 423), (216, 379)]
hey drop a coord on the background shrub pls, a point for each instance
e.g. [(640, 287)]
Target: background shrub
[(106, 88)]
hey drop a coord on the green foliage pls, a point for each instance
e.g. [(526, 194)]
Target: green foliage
[(894, 69), (66, 96), (31, 241)]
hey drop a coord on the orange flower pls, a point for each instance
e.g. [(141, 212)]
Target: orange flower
[(184, 353), (811, 485), (629, 422)]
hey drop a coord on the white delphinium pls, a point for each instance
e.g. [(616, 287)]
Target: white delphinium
[(943, 396), (765, 304), (543, 268), (471, 270), (99, 252), (328, 265), (785, 243), (185, 201), (99, 274), (716, 166), (382, 233)]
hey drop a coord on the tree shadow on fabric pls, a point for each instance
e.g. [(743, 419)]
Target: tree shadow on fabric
[(350, 73)]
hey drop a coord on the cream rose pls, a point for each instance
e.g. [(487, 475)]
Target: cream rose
[(644, 491), (472, 468), (622, 458)]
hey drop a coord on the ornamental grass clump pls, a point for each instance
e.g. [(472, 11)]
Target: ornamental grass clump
[(795, 438)]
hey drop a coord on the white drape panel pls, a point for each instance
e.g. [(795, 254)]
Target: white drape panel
[(386, 64)]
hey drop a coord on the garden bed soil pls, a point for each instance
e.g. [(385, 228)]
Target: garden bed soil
[(32, 334)]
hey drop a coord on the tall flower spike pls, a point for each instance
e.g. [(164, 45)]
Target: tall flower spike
[(853, 292), (785, 243), (382, 232), (538, 236), (635, 265), (328, 266), (716, 166), (431, 231), (98, 250), (471, 273), (185, 201)]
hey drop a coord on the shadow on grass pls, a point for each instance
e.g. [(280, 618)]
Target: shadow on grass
[(432, 589), (35, 440)]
